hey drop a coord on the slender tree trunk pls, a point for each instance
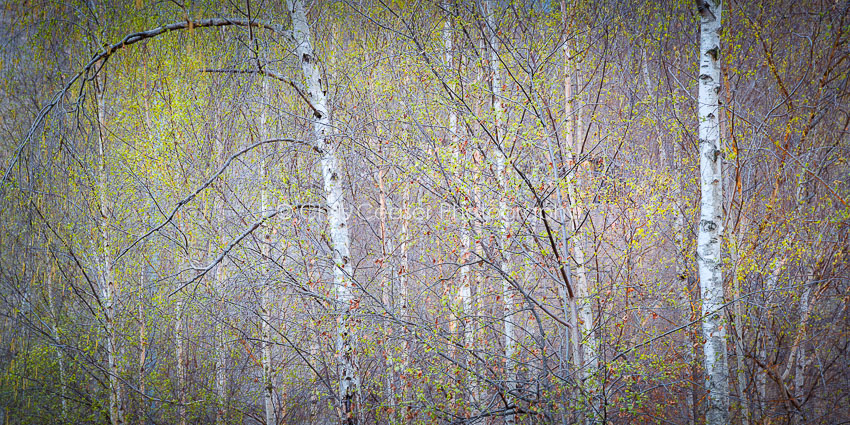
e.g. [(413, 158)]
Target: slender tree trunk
[(147, 278), (403, 295), (585, 354), (390, 272), (479, 278), (143, 345), (710, 229), (572, 335), (313, 333), (564, 160), (697, 374), (387, 289), (741, 375), (107, 276), (477, 307), (266, 353), (181, 362), (771, 285), (323, 132), (221, 350), (800, 346), (691, 351), (797, 355), (465, 288), (267, 287), (504, 213)]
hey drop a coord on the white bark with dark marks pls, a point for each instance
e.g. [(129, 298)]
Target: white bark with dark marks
[(221, 349), (710, 228), (106, 265), (267, 284), (501, 171), (323, 132)]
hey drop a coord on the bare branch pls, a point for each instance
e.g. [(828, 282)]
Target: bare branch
[(128, 40)]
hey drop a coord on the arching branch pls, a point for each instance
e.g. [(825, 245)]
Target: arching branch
[(130, 39)]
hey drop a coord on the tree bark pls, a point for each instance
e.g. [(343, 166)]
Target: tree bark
[(465, 287), (267, 283), (323, 132), (143, 344), (221, 349), (710, 231), (106, 265), (181, 363), (504, 233), (566, 213), (585, 354), (797, 355)]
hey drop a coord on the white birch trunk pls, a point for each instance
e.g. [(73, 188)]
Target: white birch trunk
[(465, 289), (405, 306), (801, 360), (797, 355), (221, 351), (689, 354), (584, 340), (266, 297), (565, 212), (573, 180), (572, 335), (710, 229), (323, 132), (504, 214), (402, 275), (107, 277), (387, 290), (266, 354), (143, 345), (181, 363), (479, 278)]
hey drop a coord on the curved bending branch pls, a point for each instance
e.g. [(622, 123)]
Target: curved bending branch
[(128, 40), (271, 74)]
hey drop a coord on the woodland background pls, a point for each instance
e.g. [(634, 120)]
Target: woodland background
[(519, 195)]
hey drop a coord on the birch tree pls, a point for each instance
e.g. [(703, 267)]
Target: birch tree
[(584, 342), (267, 286), (106, 263), (504, 231), (710, 228), (324, 143), (537, 124)]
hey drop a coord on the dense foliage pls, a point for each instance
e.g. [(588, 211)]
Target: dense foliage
[(524, 252)]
